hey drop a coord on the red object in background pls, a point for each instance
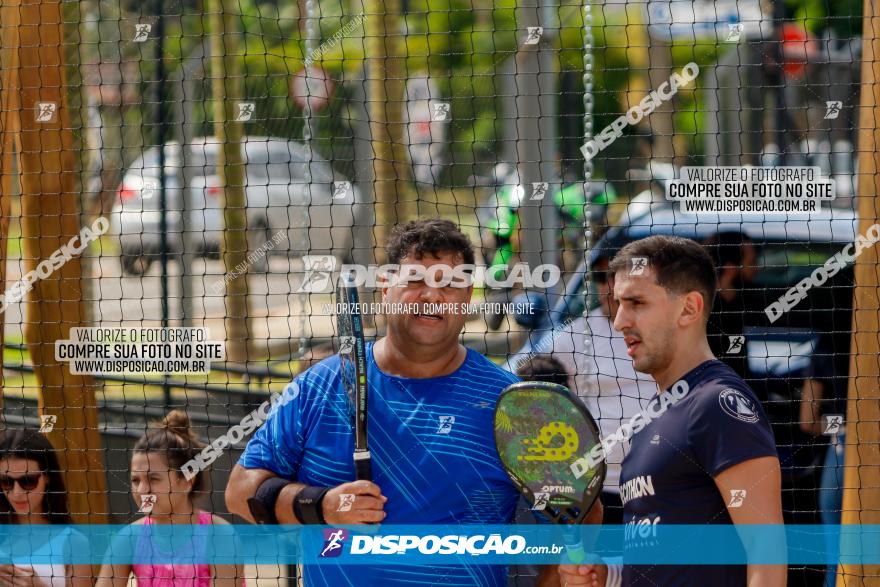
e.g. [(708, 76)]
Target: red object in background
[(126, 193), (798, 48)]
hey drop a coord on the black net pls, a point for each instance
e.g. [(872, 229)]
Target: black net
[(185, 181)]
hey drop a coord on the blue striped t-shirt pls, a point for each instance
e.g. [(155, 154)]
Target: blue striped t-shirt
[(433, 452)]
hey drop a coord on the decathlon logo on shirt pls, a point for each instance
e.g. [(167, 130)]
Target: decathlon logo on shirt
[(738, 405), (636, 487)]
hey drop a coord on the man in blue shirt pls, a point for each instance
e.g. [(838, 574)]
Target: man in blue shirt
[(430, 428), (710, 457)]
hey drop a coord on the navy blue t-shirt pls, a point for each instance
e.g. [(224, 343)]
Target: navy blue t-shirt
[(668, 474)]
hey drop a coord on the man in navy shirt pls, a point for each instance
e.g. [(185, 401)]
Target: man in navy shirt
[(710, 458), (430, 429)]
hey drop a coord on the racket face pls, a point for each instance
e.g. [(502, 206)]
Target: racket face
[(352, 354), (540, 430)]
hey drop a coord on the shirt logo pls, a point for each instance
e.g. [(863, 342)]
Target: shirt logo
[(636, 487), (446, 423), (641, 528), (334, 538), (738, 405)]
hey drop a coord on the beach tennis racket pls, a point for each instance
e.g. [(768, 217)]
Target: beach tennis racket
[(541, 429), (353, 363)]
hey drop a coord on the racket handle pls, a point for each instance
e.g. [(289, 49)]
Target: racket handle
[(574, 548), (363, 466), (575, 552)]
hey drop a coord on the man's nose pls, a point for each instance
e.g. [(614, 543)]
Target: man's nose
[(430, 293), (621, 319)]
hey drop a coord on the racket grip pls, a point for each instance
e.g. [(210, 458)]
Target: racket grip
[(363, 466), (574, 548), (575, 552)]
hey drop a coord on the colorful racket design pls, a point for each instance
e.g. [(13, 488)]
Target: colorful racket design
[(541, 429)]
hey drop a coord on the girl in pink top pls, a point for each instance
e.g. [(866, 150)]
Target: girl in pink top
[(166, 496)]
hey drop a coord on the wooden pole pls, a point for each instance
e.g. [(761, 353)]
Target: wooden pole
[(861, 498), (10, 105), (228, 92), (50, 218)]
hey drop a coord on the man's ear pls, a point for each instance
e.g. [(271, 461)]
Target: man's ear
[(692, 310)]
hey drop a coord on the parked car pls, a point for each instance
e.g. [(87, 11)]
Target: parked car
[(777, 354), (285, 191)]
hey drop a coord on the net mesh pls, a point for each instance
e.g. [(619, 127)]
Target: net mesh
[(212, 166)]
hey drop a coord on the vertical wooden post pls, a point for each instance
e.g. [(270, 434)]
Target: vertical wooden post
[(228, 91), (9, 108), (861, 498), (50, 210)]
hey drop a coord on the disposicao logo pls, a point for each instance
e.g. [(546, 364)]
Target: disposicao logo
[(334, 538)]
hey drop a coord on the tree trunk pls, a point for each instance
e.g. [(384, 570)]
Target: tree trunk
[(50, 213), (861, 478), (386, 79)]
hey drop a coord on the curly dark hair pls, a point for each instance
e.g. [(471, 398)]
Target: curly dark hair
[(433, 236), (31, 445), (174, 438)]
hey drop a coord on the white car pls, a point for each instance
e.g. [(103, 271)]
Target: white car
[(312, 206)]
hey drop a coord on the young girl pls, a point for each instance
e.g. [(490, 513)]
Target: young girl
[(32, 492), (163, 493)]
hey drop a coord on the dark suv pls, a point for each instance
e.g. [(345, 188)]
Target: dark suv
[(777, 353)]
